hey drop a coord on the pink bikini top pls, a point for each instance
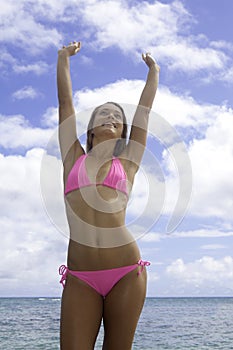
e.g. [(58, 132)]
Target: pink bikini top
[(78, 178)]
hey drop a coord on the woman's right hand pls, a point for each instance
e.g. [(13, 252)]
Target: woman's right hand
[(71, 49)]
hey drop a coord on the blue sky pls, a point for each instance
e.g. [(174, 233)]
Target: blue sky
[(192, 41)]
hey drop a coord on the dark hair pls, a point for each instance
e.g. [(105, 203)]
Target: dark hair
[(120, 144)]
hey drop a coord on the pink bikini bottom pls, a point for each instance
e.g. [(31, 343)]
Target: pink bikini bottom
[(102, 280)]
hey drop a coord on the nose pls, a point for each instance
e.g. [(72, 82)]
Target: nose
[(111, 116)]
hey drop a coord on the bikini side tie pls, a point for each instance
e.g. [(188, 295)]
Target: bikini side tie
[(142, 264), (63, 270)]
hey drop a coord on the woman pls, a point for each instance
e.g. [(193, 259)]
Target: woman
[(105, 278)]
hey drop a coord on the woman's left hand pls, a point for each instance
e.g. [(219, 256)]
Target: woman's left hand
[(150, 61)]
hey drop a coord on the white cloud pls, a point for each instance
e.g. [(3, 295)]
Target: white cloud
[(197, 233), (203, 232), (213, 246), (16, 131), (56, 10), (188, 57), (50, 118), (6, 59), (122, 91), (37, 67), (163, 27), (207, 130), (153, 276), (28, 240), (152, 237), (21, 27), (87, 60), (26, 92), (23, 33), (205, 270), (183, 111), (138, 21), (226, 76), (222, 44), (212, 163), (8, 62)]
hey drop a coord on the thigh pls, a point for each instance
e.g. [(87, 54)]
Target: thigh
[(122, 309), (81, 314)]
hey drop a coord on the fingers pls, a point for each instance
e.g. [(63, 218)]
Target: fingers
[(150, 61), (79, 45), (75, 44), (145, 55), (71, 49)]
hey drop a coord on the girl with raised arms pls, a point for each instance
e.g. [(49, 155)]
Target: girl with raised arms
[(105, 276)]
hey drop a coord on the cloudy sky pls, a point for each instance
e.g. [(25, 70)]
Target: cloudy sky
[(182, 201)]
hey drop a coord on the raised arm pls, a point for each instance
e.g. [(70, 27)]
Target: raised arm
[(67, 123), (138, 134), (149, 91)]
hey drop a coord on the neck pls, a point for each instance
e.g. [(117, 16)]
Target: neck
[(103, 150)]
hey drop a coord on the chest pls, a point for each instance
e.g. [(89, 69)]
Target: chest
[(97, 170)]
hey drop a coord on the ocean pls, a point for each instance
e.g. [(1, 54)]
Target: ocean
[(165, 323)]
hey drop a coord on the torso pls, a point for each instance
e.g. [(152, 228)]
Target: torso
[(99, 238)]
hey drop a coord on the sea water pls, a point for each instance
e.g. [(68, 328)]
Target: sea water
[(165, 323)]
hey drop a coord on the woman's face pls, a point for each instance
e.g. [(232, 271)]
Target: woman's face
[(108, 121)]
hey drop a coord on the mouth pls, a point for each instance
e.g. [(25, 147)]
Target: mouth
[(109, 124)]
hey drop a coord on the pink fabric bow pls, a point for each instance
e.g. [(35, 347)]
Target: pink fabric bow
[(142, 264), (63, 270)]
